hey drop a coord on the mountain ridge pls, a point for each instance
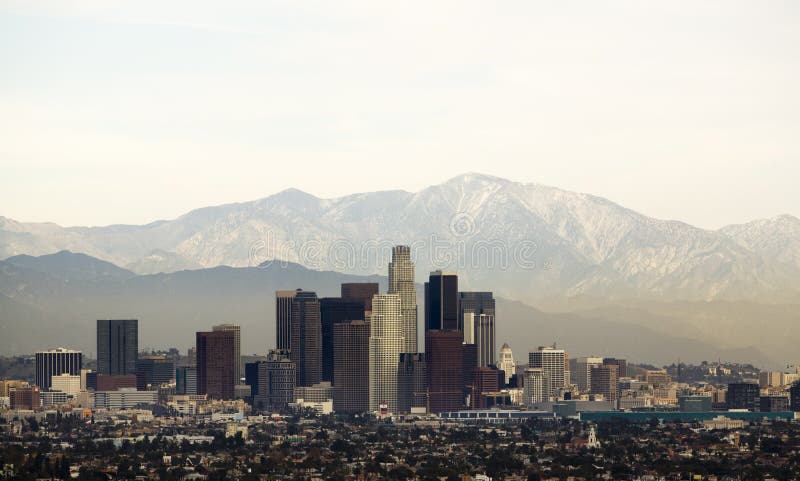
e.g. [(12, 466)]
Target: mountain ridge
[(578, 244)]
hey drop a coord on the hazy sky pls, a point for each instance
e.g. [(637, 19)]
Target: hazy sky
[(126, 112)]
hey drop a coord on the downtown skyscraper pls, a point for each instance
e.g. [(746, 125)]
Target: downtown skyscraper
[(351, 366), (477, 319), (441, 302), (386, 343), (237, 346), (306, 338), (444, 350), (117, 346), (552, 362), (54, 363), (401, 282), (216, 364), (283, 318)]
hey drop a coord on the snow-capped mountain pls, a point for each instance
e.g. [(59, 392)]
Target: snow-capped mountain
[(524, 241)]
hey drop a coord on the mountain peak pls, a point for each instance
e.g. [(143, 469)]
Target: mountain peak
[(472, 178)]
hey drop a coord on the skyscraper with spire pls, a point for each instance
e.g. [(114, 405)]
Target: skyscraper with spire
[(401, 282)]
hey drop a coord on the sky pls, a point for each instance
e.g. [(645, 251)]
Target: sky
[(128, 112)]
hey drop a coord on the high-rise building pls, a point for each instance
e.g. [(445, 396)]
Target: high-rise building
[(441, 302), (216, 364), (117, 346), (603, 380), (386, 342), (445, 378), (552, 361), (275, 384), (582, 376), (333, 310), (743, 395), (536, 386), (55, 362), (306, 337), (67, 383), (237, 346), (621, 364), (476, 317), (506, 362), (186, 380), (411, 375), (153, 371), (283, 318), (401, 282), (361, 292), (351, 366), (484, 339)]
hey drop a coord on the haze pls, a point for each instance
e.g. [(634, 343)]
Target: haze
[(126, 112)]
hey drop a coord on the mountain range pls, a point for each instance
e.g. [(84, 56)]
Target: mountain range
[(557, 260), (529, 242)]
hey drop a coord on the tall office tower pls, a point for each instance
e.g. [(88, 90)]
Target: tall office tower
[(333, 310), (117, 346), (743, 395), (506, 362), (216, 364), (351, 366), (536, 387), (621, 364), (603, 380), (411, 381), (401, 282), (441, 302), (484, 339), (186, 380), (55, 362), (306, 337), (153, 371), (275, 382), (479, 304), (386, 342), (445, 379), (552, 361), (361, 292), (237, 347), (583, 371), (283, 318)]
